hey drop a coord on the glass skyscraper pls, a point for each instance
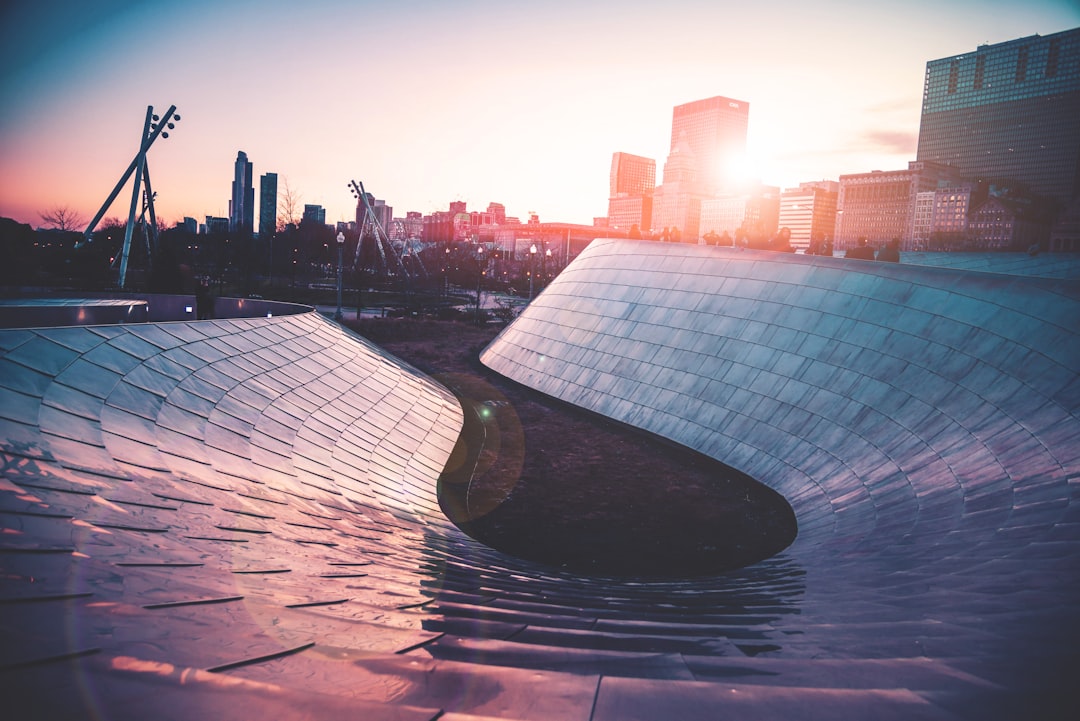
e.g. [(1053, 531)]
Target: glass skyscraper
[(715, 130), (1008, 112), (632, 181), (242, 204), (631, 175), (267, 205)]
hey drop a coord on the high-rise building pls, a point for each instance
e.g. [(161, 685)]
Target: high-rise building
[(677, 203), (242, 204), (715, 129), (880, 205), (809, 211), (215, 226), (922, 220), (267, 204), (632, 182), (1008, 112), (411, 226), (498, 213), (752, 217), (626, 212), (631, 175), (1065, 235), (383, 212), (1000, 223), (708, 139), (314, 214), (380, 212), (723, 216), (949, 220)]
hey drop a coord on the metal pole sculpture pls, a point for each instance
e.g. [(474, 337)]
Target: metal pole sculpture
[(153, 127)]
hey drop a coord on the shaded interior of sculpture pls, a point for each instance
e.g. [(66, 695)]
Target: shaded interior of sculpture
[(597, 497)]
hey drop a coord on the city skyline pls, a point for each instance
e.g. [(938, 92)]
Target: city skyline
[(428, 103)]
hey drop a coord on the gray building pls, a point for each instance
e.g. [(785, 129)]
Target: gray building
[(267, 204), (314, 213), (1008, 112)]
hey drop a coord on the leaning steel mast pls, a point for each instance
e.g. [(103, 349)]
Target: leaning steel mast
[(153, 127)]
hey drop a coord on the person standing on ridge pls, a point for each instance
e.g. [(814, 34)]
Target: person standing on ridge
[(861, 251)]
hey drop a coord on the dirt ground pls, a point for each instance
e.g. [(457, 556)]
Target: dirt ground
[(541, 480)]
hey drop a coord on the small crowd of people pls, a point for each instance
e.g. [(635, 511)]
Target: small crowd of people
[(781, 243), (890, 252)]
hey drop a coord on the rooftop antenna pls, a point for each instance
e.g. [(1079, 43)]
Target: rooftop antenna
[(153, 127)]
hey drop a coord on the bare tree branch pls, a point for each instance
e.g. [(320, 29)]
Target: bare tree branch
[(288, 205), (62, 217)]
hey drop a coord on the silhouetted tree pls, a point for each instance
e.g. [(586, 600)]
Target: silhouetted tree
[(288, 206), (62, 217)]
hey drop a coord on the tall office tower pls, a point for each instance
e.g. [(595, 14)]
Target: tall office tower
[(1008, 112), (677, 203), (631, 175), (498, 213), (267, 204), (380, 212), (314, 213), (715, 129), (881, 205), (632, 181), (242, 205), (384, 213), (216, 225), (809, 211)]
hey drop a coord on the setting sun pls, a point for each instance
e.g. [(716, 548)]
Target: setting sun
[(475, 101)]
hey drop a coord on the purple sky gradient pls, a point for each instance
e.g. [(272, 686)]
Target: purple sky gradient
[(427, 102)]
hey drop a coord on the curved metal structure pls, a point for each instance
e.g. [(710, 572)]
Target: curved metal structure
[(922, 422), (238, 517)]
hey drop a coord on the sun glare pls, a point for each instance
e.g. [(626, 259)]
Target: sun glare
[(740, 170)]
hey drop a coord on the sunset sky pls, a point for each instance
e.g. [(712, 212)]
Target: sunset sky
[(429, 101)]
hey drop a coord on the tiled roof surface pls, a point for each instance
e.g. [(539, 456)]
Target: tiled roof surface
[(238, 518)]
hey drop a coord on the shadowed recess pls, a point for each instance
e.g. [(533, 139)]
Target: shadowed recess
[(543, 481)]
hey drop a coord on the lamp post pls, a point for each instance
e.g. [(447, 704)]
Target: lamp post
[(546, 258), (446, 273), (532, 268), (479, 276), (340, 251)]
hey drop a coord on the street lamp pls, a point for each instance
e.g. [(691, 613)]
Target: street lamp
[(340, 251), (532, 268), (479, 275)]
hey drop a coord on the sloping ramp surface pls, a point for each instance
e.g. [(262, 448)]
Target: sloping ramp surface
[(233, 519), (922, 422)]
